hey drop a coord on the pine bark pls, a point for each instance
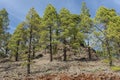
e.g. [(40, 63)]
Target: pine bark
[(17, 51), (65, 50), (29, 51), (109, 53), (89, 51), (51, 57)]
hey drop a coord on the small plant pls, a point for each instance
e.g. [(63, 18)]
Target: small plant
[(115, 68), (105, 61)]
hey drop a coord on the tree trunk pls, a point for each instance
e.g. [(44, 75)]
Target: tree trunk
[(74, 38), (65, 50), (118, 47), (6, 50), (33, 52), (89, 51), (17, 49), (109, 53), (55, 49), (45, 51), (29, 51), (51, 58), (74, 47)]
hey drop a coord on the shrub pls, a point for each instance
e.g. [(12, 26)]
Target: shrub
[(105, 61), (115, 68)]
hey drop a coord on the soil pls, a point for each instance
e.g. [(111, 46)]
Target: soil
[(42, 69)]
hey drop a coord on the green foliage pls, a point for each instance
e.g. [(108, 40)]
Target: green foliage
[(76, 36), (33, 18), (106, 60), (2, 55), (104, 15), (54, 28), (50, 16), (49, 32), (115, 68), (49, 21), (4, 35), (86, 23), (114, 29), (1, 29), (5, 19), (64, 23), (100, 53), (84, 9), (33, 22), (18, 36)]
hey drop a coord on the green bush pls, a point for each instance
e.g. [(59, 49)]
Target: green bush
[(105, 61), (2, 55), (115, 68)]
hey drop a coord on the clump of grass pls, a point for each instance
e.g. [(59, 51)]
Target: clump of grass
[(105, 61), (115, 68)]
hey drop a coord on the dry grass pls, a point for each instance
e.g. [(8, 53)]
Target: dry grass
[(57, 69)]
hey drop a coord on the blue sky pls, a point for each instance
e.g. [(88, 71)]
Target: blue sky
[(18, 9)]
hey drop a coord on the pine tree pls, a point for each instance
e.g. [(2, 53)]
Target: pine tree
[(84, 9), (16, 40), (104, 16), (75, 32), (86, 24), (49, 21), (6, 38), (32, 23), (113, 33), (4, 22), (64, 28), (1, 29)]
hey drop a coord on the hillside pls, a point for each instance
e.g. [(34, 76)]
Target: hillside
[(41, 68)]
